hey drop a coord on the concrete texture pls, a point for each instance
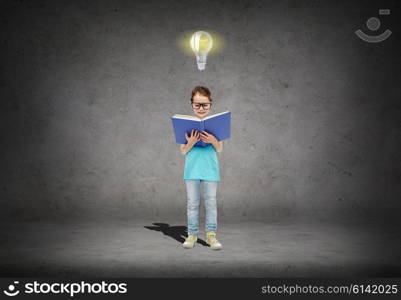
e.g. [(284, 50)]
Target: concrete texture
[(250, 249), (87, 91)]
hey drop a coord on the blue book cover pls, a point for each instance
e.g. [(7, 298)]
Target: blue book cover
[(218, 124)]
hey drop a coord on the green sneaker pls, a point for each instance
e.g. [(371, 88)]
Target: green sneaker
[(212, 241), (190, 241)]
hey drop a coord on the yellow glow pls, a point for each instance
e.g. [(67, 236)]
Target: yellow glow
[(183, 42), (204, 44)]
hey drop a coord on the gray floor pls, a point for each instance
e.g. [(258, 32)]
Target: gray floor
[(152, 248)]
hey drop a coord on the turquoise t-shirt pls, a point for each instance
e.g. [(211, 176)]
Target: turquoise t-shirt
[(202, 163)]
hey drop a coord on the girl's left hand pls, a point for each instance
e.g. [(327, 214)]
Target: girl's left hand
[(208, 137)]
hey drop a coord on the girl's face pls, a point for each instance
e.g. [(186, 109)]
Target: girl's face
[(201, 111)]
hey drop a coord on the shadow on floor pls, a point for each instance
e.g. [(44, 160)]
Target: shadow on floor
[(179, 233)]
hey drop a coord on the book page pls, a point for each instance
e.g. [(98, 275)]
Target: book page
[(178, 116), (186, 117), (215, 115)]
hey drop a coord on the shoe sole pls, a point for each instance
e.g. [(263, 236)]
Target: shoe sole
[(188, 247), (215, 248), (218, 248)]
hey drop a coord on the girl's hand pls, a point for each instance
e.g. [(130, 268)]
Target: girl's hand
[(194, 138), (208, 138)]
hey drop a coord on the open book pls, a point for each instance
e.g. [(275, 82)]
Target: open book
[(218, 124)]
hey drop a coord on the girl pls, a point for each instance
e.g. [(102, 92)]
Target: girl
[(201, 168)]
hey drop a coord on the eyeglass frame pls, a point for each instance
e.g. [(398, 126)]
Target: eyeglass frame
[(201, 105)]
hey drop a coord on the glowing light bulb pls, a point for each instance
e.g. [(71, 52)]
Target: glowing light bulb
[(201, 43)]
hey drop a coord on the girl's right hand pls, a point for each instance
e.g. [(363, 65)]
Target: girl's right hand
[(194, 138)]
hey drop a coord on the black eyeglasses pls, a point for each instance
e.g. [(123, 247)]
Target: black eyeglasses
[(198, 105)]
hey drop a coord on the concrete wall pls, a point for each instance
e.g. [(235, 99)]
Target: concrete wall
[(87, 92)]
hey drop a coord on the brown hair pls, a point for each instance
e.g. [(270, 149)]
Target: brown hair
[(204, 91)]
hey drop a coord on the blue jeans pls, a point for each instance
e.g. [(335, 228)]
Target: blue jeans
[(193, 203)]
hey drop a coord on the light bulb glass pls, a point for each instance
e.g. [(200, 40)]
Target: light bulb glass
[(201, 43)]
